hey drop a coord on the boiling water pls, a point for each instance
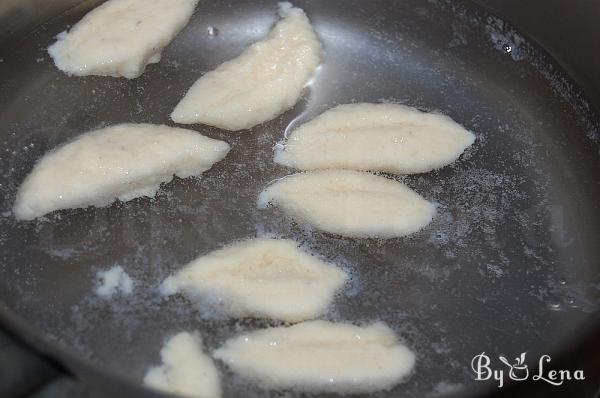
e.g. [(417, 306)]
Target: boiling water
[(504, 268)]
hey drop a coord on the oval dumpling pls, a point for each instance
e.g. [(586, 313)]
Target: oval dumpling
[(350, 203), (375, 137), (122, 162), (120, 37), (261, 277), (264, 81), (320, 356)]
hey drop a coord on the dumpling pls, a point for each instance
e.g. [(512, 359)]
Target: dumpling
[(186, 370), (264, 81), (350, 203), (262, 278), (320, 356), (376, 137), (124, 161), (120, 37)]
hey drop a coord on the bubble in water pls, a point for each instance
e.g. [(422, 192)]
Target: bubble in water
[(507, 48), (212, 31)]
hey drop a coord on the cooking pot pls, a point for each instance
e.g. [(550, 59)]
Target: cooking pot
[(510, 264)]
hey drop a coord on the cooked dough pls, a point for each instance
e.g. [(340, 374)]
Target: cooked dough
[(264, 81), (350, 203), (186, 370), (320, 356), (263, 278), (120, 37), (125, 161), (376, 137)]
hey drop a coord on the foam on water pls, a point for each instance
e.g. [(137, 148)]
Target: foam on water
[(113, 281)]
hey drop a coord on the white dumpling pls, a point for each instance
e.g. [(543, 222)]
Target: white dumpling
[(120, 37), (262, 278), (377, 137), (350, 203), (264, 81), (124, 161), (186, 370), (320, 356)]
